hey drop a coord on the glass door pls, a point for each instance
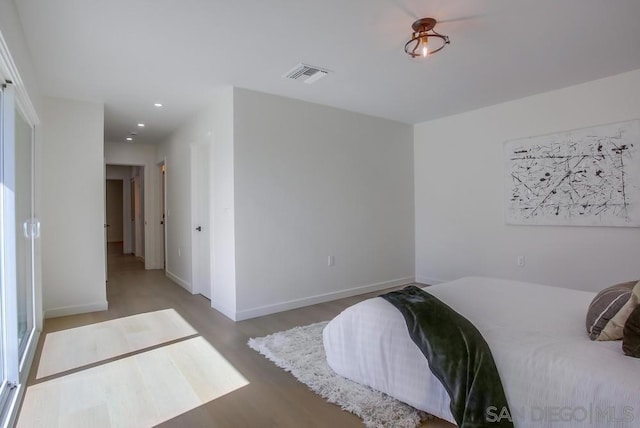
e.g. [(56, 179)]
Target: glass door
[(18, 229), (25, 231), (9, 354)]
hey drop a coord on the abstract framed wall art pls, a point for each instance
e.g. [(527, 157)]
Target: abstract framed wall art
[(584, 177)]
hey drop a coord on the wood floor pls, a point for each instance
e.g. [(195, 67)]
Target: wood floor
[(273, 397)]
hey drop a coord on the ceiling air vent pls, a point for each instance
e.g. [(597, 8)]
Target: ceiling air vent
[(306, 73)]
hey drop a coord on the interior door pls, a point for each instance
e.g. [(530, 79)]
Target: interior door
[(201, 230)]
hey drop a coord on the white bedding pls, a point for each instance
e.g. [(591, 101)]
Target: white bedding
[(552, 374)]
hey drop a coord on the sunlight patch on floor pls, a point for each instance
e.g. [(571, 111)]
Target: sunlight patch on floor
[(77, 347), (137, 391)]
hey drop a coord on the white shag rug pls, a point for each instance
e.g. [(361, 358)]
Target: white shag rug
[(300, 351)]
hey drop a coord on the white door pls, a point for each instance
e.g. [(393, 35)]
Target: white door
[(201, 230)]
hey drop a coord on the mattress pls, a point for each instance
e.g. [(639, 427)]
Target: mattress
[(552, 374)]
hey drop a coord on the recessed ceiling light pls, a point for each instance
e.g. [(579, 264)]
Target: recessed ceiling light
[(129, 139), (141, 125), (158, 104)]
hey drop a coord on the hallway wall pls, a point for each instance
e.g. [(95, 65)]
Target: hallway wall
[(73, 253)]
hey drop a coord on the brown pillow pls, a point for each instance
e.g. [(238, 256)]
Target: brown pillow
[(631, 334), (610, 309)]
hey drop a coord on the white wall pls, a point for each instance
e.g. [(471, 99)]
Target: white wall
[(293, 183), (143, 155), (73, 212), (223, 252), (313, 181), (459, 185)]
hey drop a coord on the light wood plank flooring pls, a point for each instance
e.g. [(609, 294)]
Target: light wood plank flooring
[(81, 346), (273, 397)]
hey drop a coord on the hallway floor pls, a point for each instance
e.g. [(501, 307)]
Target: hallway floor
[(256, 392)]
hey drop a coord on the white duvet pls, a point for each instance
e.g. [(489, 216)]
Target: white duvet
[(552, 374)]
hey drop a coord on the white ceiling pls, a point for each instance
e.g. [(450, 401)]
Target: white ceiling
[(132, 53)]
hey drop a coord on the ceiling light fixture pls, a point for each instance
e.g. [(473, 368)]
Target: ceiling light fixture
[(129, 139), (421, 40), (158, 105), (141, 125)]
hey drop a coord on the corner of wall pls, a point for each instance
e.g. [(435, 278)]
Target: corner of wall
[(226, 311), (181, 282)]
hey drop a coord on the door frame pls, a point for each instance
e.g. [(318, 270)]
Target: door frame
[(148, 208), (162, 167)]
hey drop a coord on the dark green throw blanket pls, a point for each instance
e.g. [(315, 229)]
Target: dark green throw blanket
[(458, 356)]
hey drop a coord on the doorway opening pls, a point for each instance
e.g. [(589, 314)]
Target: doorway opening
[(124, 212)]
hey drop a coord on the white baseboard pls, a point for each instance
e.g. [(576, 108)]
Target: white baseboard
[(227, 312), (430, 281), (76, 309), (175, 278), (320, 298)]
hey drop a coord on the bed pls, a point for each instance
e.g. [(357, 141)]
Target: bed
[(552, 374)]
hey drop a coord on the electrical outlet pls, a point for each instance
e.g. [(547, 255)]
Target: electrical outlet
[(520, 261), (330, 261)]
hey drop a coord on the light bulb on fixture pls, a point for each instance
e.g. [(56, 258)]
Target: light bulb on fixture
[(422, 32), (425, 48)]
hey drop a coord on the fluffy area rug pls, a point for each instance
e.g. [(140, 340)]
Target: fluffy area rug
[(300, 351)]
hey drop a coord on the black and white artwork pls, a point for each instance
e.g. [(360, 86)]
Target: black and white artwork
[(585, 177)]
